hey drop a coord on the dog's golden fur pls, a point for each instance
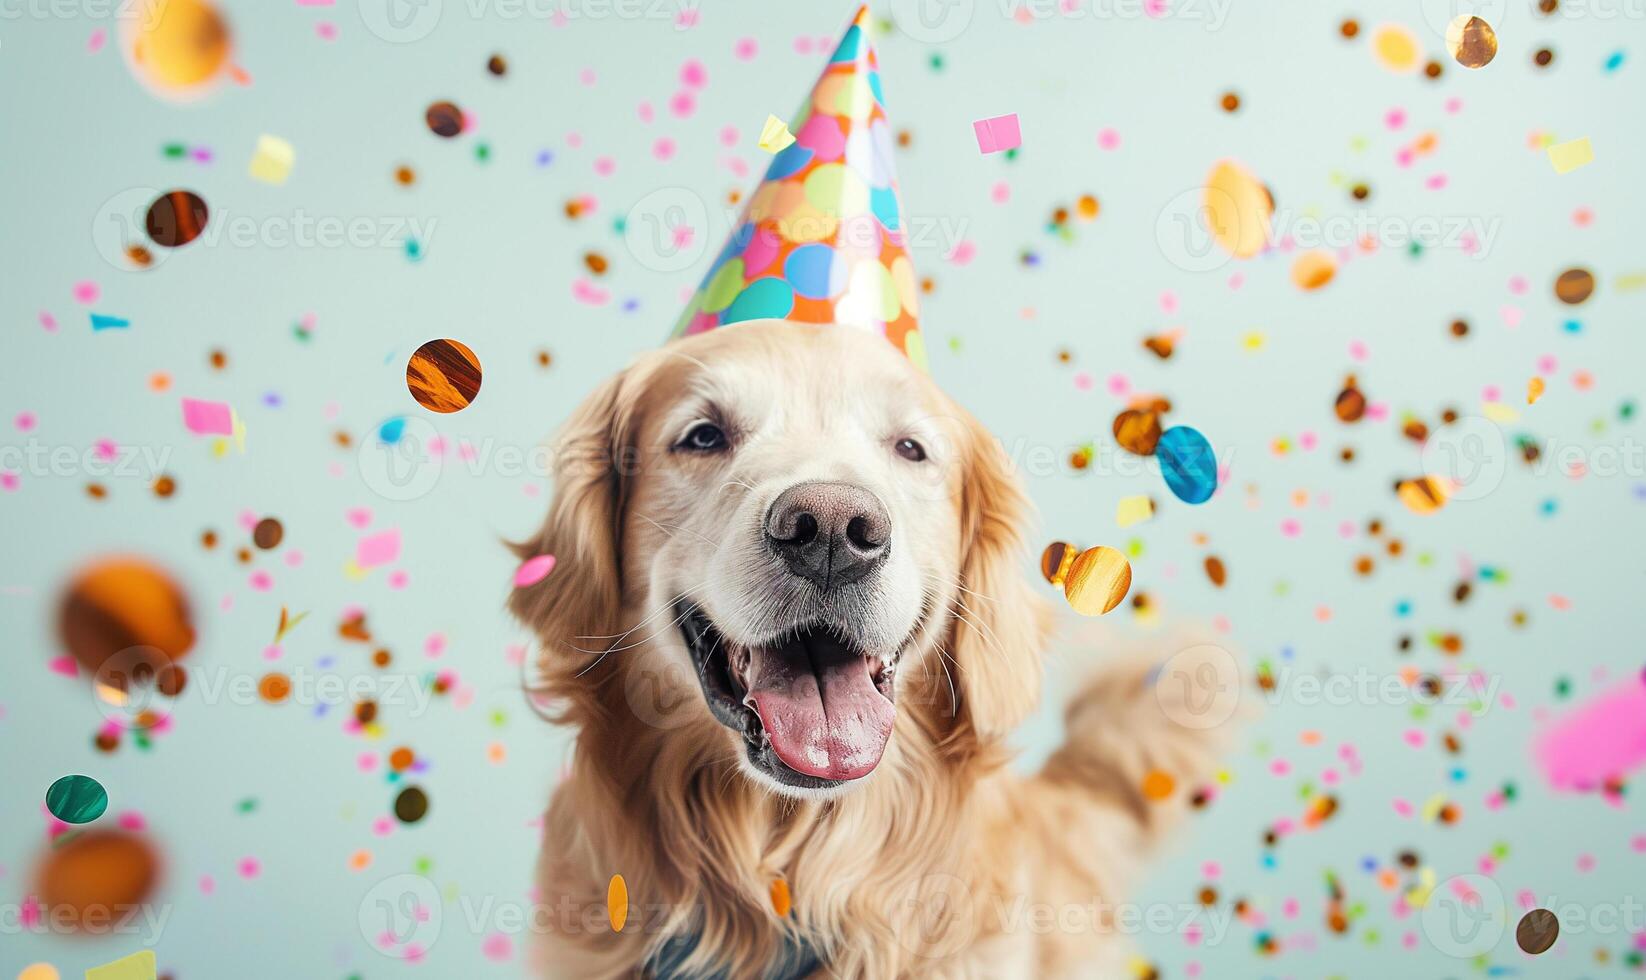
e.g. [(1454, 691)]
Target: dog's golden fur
[(925, 869)]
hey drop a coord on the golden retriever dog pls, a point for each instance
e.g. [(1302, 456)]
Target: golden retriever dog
[(792, 624)]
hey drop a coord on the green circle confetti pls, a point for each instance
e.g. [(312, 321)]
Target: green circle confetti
[(77, 799)]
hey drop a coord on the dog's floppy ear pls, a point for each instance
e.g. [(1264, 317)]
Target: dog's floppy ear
[(582, 597), (1001, 624)]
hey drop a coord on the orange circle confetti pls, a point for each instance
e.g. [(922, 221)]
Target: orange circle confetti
[(1157, 785), (274, 688)]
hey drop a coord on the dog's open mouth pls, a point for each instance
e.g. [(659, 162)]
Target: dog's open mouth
[(814, 711)]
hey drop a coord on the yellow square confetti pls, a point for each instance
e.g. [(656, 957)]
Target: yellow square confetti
[(775, 135), (137, 966), (272, 162), (1567, 157), (1133, 510), (1499, 412)]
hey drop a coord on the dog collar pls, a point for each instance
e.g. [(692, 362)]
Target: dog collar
[(797, 961)]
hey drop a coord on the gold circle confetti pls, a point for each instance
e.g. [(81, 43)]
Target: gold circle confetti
[(179, 44), (176, 218), (1313, 270), (1238, 208), (94, 872), (1055, 561), (1574, 286), (1351, 403), (268, 533), (1158, 784), (1395, 48), (1471, 41), (1424, 495), (444, 119), (1097, 580), (1137, 431), (444, 376), (121, 603)]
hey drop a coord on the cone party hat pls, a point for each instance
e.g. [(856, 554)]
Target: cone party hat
[(822, 239)]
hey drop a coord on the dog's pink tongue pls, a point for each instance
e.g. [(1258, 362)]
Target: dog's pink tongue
[(820, 708)]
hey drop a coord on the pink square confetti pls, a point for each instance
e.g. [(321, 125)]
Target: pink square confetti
[(208, 418), (998, 133), (378, 549)]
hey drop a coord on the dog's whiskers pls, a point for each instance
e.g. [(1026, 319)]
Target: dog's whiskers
[(618, 637), (669, 529), (629, 646)]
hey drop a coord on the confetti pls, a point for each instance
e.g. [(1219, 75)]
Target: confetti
[(1097, 580), (377, 549), (1137, 431), (444, 376), (1188, 464), (617, 902), (1312, 270), (1395, 48), (444, 119), (1134, 510), (179, 46), (138, 966), (1237, 210), (533, 570), (1574, 286), (1471, 41), (1567, 157), (1424, 495), (176, 218), (1537, 931), (775, 135), (1055, 561), (411, 805), (272, 161), (77, 799), (208, 418), (781, 903), (1603, 739), (998, 133)]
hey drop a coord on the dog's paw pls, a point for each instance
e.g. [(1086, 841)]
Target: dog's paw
[(1151, 727)]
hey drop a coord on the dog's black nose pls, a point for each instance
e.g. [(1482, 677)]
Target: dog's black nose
[(829, 534)]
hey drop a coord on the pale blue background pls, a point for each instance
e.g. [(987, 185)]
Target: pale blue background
[(78, 131)]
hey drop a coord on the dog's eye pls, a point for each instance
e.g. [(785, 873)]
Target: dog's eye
[(910, 450), (704, 437)]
